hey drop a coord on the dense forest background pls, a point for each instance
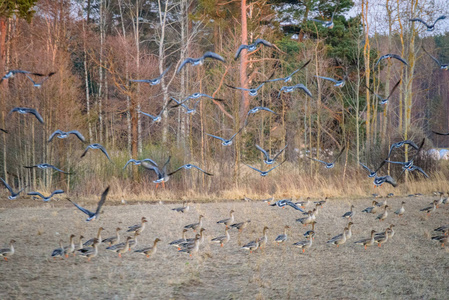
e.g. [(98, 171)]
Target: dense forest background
[(96, 47)]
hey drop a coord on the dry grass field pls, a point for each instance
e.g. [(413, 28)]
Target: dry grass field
[(410, 266)]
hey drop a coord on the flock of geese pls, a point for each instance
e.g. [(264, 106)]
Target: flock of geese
[(89, 249)]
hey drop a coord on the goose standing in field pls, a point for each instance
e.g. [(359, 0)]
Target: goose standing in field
[(373, 173), (252, 47), (379, 180), (381, 237), (154, 81), (7, 252), (400, 212), (442, 66), (282, 237), (113, 239), (251, 246), (268, 160), (71, 247), (200, 60), (195, 226), (46, 166), (348, 232), (240, 226), (430, 209), (178, 242), (92, 240), (252, 92), (137, 162), (192, 248), (443, 239), (430, 27), (384, 101), (331, 164), (185, 208), (188, 167), (224, 141), (80, 243), (96, 214), (384, 215), (149, 251), (138, 227), (264, 239), (96, 146), (390, 56), (327, 24), (337, 83), (229, 220), (46, 199), (311, 232), (90, 251), (223, 239), (291, 88), (368, 241), (38, 84), (24, 110), (13, 195), (161, 173), (304, 244), (200, 235), (265, 173), (58, 252), (349, 214), (120, 248), (306, 220), (339, 239), (63, 134), (289, 77)]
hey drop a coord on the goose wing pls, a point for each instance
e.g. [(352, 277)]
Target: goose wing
[(7, 186), (213, 55), (54, 134), (102, 200), (86, 211)]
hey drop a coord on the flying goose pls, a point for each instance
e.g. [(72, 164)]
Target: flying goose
[(289, 89), (282, 203), (268, 160), (252, 47), (96, 146), (331, 164), (188, 167), (430, 27), (265, 173), (156, 118), (45, 166), (390, 56), (195, 96), (137, 162), (39, 84), (154, 81), (62, 135), (402, 143), (162, 175), (224, 141), (289, 77), (371, 172), (442, 66), (385, 100), (338, 83), (55, 192), (378, 181), (11, 191), (12, 73), (24, 110), (252, 92), (193, 109), (96, 214), (200, 60), (327, 24)]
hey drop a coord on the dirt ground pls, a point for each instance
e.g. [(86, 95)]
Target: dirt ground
[(410, 266)]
